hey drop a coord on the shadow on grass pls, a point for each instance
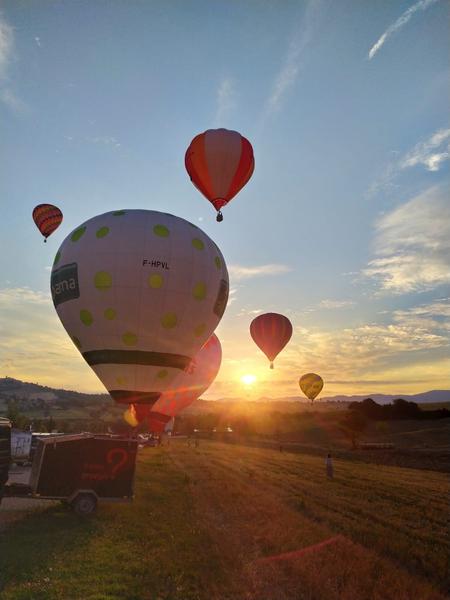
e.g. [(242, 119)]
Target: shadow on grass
[(29, 548)]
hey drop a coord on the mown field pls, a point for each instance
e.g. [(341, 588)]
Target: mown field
[(224, 521)]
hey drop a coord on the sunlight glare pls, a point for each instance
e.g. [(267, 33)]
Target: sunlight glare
[(248, 379)]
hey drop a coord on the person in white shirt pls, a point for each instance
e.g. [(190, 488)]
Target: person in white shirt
[(329, 466)]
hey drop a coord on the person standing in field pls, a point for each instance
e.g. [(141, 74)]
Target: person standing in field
[(329, 466)]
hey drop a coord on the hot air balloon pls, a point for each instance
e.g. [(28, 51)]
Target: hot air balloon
[(47, 218), (311, 385), (271, 332), (139, 292), (219, 162), (187, 387)]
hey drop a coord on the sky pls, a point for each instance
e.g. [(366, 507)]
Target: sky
[(344, 226)]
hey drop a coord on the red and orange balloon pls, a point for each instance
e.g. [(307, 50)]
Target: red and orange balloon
[(47, 218), (271, 332), (187, 387), (219, 162)]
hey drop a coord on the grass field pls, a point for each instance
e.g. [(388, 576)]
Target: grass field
[(225, 521)]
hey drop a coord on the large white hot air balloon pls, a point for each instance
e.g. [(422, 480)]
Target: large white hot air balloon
[(139, 292)]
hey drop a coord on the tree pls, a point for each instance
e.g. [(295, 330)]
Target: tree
[(352, 426), (18, 420)]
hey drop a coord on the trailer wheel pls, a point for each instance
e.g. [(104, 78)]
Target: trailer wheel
[(84, 504)]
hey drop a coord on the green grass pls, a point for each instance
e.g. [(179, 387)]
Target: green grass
[(204, 520)]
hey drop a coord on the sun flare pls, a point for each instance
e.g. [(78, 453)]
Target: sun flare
[(248, 379)]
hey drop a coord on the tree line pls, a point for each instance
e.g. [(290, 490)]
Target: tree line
[(399, 409)]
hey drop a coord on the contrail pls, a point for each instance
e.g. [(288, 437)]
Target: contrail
[(402, 20)]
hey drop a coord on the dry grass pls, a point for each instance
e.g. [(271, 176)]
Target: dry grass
[(260, 503), (213, 523)]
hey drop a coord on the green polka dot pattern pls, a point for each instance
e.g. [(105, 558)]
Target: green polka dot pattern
[(129, 338), (109, 314), (161, 231), (169, 321), (136, 282), (77, 234), (155, 281), (86, 317), (199, 330), (102, 232), (198, 244), (102, 280), (199, 291)]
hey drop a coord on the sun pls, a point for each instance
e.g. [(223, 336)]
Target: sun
[(248, 379)]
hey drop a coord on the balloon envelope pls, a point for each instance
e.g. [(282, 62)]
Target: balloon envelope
[(47, 218), (311, 385), (271, 332), (219, 162), (187, 387), (139, 292)]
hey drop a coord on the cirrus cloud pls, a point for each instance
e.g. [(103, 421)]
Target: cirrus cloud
[(239, 272), (412, 244), (430, 153), (398, 24)]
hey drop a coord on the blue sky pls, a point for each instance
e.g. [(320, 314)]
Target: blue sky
[(345, 224)]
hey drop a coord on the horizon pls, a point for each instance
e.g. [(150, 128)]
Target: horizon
[(344, 226), (299, 397)]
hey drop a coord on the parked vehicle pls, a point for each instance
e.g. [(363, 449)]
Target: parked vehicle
[(5, 451), (80, 469)]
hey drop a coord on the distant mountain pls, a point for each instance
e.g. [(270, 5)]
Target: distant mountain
[(33, 394), (15, 389), (423, 397)]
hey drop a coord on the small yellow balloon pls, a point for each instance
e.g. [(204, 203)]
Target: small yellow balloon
[(130, 416), (311, 385)]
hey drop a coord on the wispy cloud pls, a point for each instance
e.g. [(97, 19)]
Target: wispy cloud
[(290, 69), (238, 272), (104, 140), (7, 95), (430, 153), (398, 352), (6, 46), (249, 312), (335, 304), (399, 23), (226, 101), (34, 345), (22, 295), (9, 99), (412, 244), (358, 350), (426, 316), (232, 296)]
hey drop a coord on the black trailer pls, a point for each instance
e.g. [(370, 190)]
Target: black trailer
[(80, 469), (5, 451)]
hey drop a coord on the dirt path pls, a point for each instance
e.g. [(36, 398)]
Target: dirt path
[(15, 509)]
